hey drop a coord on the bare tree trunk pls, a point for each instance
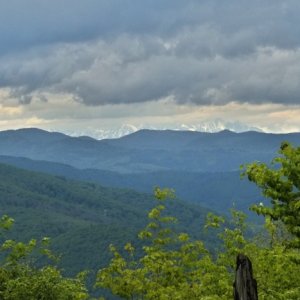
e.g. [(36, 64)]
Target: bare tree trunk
[(245, 286)]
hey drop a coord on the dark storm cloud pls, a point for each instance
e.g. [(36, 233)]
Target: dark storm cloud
[(35, 22), (122, 51)]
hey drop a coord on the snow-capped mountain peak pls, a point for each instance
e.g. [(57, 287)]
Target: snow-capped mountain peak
[(125, 129)]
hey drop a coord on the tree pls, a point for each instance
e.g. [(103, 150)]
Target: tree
[(173, 266), (280, 182), (20, 278)]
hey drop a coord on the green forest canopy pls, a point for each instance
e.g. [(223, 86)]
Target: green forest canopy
[(175, 266)]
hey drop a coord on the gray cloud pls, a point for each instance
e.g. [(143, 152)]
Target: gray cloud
[(122, 51), (34, 22)]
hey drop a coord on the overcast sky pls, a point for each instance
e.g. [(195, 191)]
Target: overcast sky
[(78, 66)]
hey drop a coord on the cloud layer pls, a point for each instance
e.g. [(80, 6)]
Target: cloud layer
[(72, 54)]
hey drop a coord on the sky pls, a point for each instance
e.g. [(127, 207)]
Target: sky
[(81, 67)]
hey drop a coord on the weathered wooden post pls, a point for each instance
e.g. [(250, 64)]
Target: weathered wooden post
[(245, 286)]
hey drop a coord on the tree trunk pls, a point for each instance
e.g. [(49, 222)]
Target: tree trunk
[(245, 286)]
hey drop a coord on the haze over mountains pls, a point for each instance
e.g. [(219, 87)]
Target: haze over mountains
[(146, 150), (201, 167)]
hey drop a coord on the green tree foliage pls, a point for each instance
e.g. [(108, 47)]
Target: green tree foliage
[(21, 279), (175, 267), (281, 183)]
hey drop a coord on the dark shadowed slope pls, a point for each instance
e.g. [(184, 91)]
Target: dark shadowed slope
[(219, 191)]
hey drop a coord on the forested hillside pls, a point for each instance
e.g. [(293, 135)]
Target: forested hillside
[(168, 260), (82, 219), (218, 190)]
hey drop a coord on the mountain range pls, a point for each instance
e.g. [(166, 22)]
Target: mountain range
[(146, 150), (86, 193), (217, 190), (126, 129), (202, 167)]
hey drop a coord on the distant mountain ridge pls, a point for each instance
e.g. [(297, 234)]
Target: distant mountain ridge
[(201, 167), (218, 191), (125, 129), (147, 150)]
